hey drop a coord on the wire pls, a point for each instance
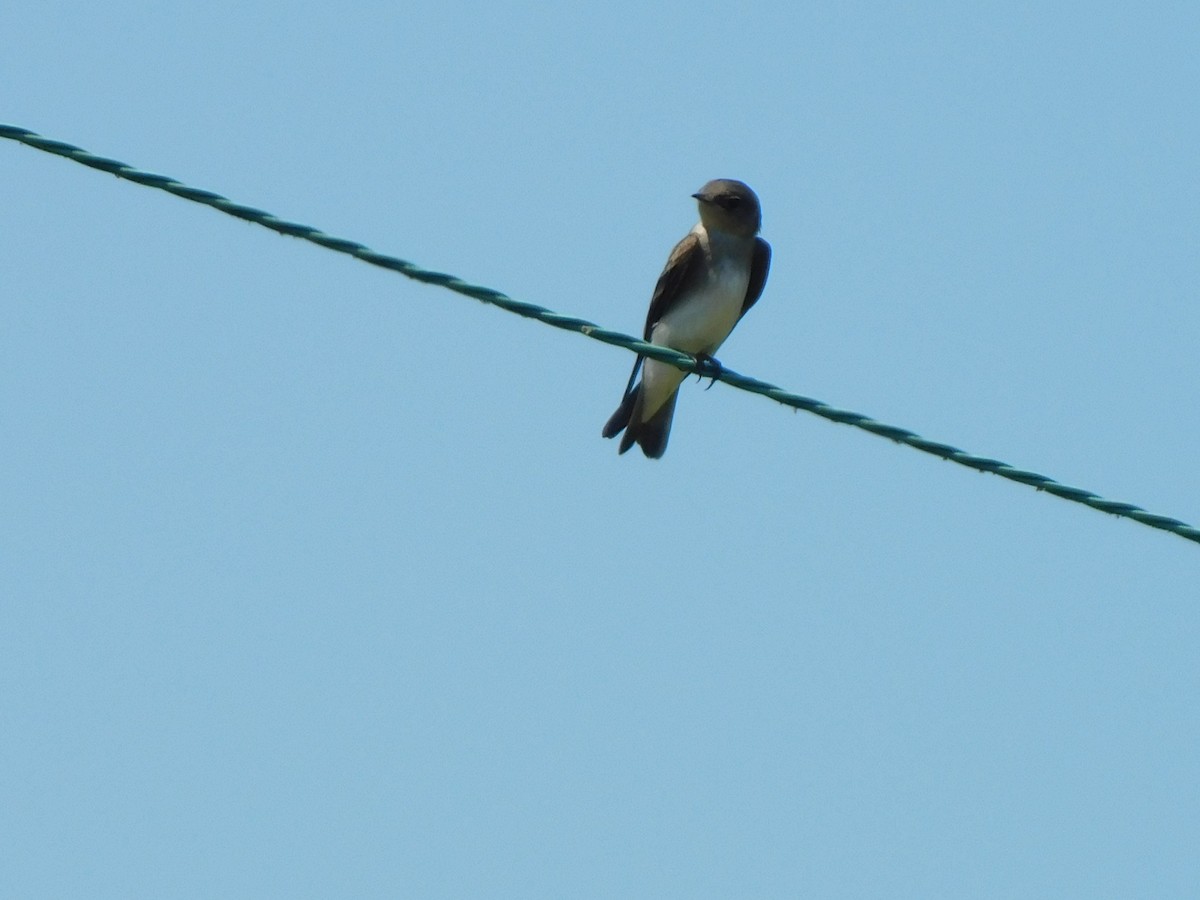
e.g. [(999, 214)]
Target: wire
[(589, 329)]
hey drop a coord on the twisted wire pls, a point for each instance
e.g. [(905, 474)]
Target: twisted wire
[(675, 358)]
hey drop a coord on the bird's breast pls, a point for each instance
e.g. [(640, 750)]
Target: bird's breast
[(706, 312)]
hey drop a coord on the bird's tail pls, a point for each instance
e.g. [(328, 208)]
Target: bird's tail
[(620, 419), (650, 435), (617, 421)]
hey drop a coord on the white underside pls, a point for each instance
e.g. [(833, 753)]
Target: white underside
[(698, 323)]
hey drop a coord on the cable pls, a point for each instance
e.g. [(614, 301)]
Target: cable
[(589, 329)]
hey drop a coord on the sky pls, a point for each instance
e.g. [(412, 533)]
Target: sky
[(317, 581)]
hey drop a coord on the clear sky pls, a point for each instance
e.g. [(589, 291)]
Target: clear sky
[(319, 582)]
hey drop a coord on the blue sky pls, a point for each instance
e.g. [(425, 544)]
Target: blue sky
[(320, 582)]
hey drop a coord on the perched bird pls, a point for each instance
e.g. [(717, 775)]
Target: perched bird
[(712, 277)]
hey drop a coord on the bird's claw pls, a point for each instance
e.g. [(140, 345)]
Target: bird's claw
[(707, 367)]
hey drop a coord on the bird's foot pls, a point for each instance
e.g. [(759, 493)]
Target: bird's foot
[(707, 367)]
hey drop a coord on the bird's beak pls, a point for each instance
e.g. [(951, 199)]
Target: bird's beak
[(699, 197)]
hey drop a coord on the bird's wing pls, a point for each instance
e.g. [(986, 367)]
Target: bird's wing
[(666, 292), (760, 265), (673, 277)]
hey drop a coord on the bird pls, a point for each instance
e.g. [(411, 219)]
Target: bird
[(711, 279)]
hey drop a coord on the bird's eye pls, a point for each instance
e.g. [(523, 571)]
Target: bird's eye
[(731, 202)]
